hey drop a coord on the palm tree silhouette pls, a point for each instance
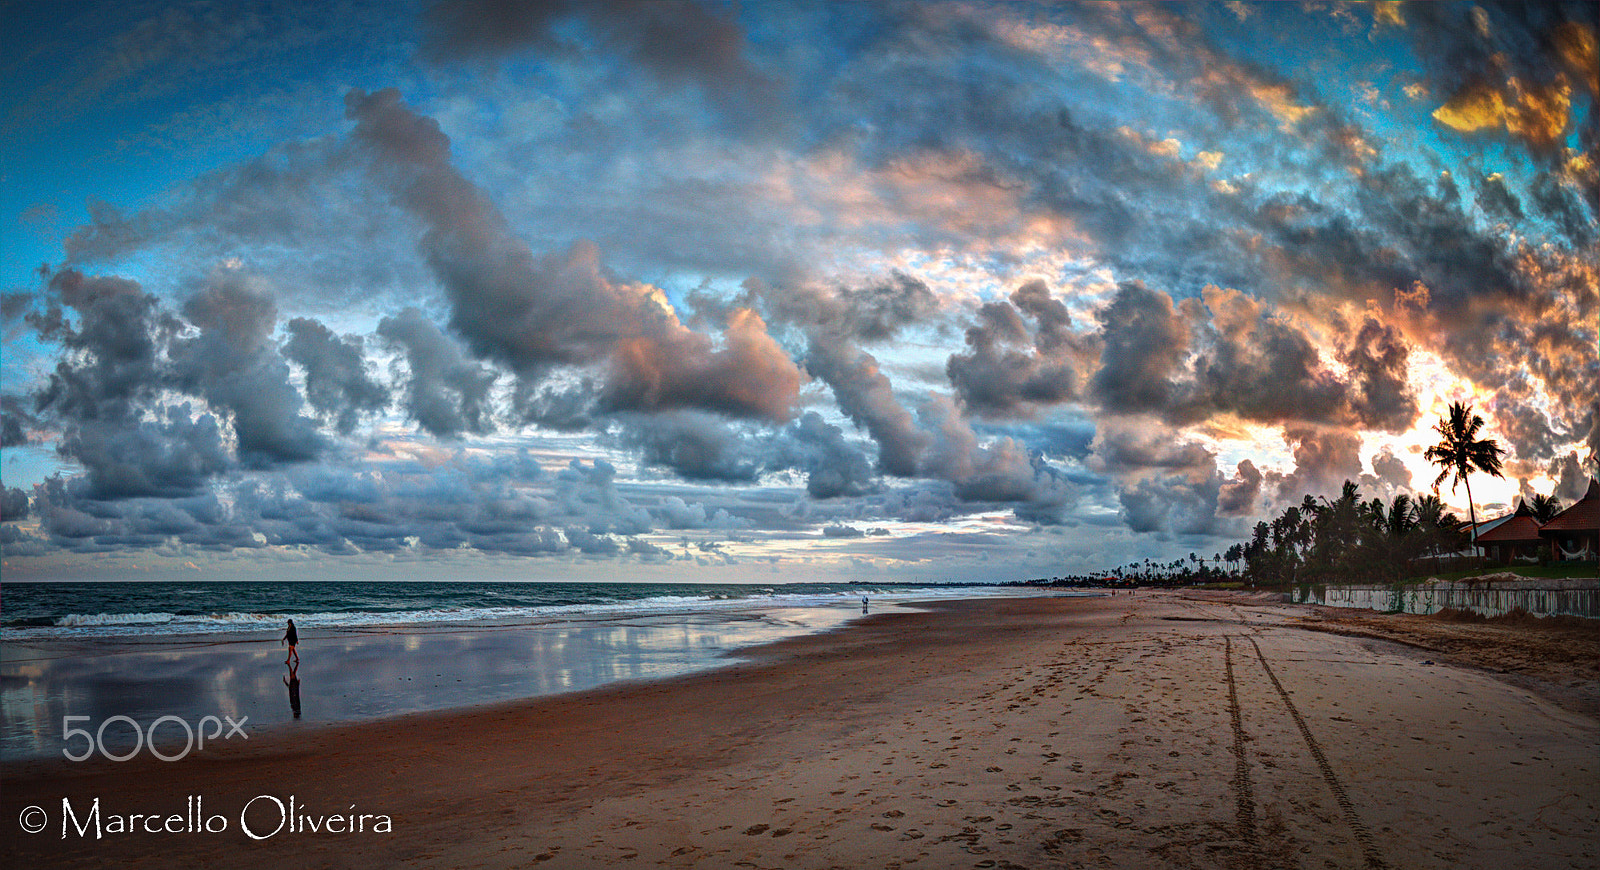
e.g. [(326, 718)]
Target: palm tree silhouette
[(1460, 452), (1544, 506)]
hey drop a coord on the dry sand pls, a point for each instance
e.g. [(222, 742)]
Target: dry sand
[(1156, 730)]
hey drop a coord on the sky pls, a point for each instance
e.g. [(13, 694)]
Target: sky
[(768, 292)]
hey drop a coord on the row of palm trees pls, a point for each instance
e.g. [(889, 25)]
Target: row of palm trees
[(1349, 538)]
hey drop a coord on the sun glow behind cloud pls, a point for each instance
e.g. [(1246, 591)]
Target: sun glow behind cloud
[(835, 289)]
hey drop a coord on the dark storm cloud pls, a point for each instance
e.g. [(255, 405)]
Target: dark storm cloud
[(234, 366), (1230, 353), (15, 420), (1167, 506), (1572, 479), (1562, 203), (695, 446), (531, 313), (338, 384), (1518, 419), (101, 392), (865, 396), (1167, 484), (1009, 370), (446, 393), (1122, 446), (1497, 200), (1381, 398), (77, 521), (1144, 342), (871, 312), (1390, 471), (14, 305), (1323, 458), (118, 339), (1004, 471), (833, 466), (1257, 365), (1237, 497), (127, 355), (167, 457), (13, 505), (679, 41)]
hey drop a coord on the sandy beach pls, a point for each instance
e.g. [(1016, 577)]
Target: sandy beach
[(1155, 730)]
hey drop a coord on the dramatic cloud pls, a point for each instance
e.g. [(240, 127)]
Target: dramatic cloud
[(338, 384), (865, 396), (862, 287), (676, 40), (531, 313), (1237, 497), (447, 394), (235, 367), (1009, 371)]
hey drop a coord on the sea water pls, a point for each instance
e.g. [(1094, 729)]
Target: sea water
[(38, 611), (144, 651)]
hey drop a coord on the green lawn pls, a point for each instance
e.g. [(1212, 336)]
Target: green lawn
[(1562, 571)]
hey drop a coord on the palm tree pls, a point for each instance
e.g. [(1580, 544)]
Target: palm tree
[(1440, 529), (1460, 452), (1544, 507)]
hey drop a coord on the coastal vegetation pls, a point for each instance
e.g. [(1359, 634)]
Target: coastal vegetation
[(1347, 538), (1351, 539)]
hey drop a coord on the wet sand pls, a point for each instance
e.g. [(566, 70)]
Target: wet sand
[(348, 674), (1127, 731)]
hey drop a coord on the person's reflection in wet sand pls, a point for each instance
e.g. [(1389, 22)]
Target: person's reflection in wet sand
[(293, 682)]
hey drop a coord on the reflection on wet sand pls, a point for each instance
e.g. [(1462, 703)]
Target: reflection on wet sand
[(293, 682), (358, 673)]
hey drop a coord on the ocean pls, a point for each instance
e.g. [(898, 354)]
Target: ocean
[(125, 656), (41, 611)]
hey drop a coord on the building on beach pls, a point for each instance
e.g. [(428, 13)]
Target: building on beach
[(1574, 534), (1515, 539)]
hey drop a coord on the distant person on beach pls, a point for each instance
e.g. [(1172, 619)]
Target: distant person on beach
[(863, 604), (293, 682), (292, 638)]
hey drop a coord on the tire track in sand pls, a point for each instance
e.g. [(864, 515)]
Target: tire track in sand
[(1244, 797), (1369, 847)]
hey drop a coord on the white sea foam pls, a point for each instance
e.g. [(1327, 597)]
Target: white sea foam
[(79, 620), (164, 623)]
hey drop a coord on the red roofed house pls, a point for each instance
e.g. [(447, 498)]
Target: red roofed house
[(1575, 532), (1516, 538)]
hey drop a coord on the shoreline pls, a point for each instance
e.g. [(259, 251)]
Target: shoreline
[(1032, 731), (371, 672)]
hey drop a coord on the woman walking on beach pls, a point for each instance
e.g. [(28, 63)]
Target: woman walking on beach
[(292, 638)]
